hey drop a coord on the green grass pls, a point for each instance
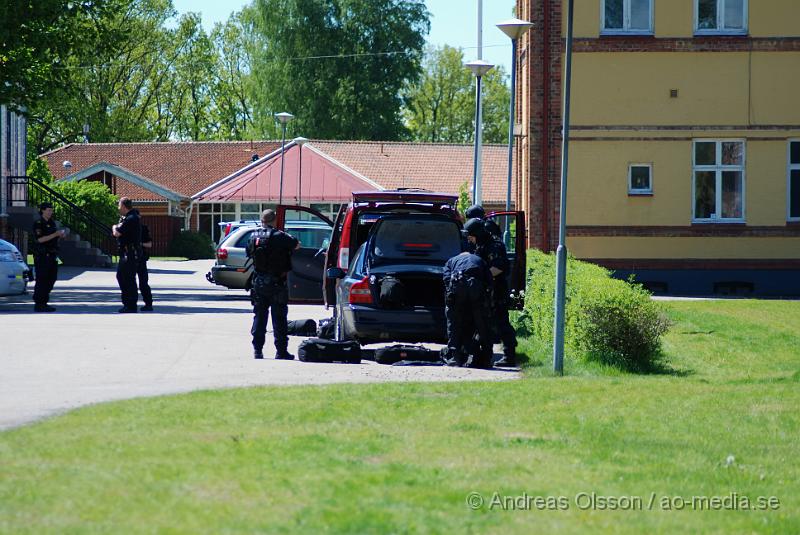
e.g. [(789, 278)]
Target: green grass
[(397, 458)]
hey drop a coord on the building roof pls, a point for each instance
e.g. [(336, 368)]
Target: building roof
[(322, 179), (184, 167), (434, 166)]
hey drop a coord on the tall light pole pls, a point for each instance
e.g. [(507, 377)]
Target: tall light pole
[(479, 68), (284, 119), (300, 141), (561, 252), (513, 28)]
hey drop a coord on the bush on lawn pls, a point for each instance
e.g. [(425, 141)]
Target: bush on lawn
[(607, 320), (192, 245)]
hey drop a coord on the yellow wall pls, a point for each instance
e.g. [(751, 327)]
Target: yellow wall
[(598, 183), (775, 81), (675, 18), (684, 248)]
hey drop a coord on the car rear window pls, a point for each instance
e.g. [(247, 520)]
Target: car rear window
[(424, 239)]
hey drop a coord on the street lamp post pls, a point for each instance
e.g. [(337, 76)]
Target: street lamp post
[(561, 252), (284, 119), (300, 141), (479, 68), (513, 28)]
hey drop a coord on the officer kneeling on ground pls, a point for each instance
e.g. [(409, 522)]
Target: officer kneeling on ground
[(466, 281), (271, 251)]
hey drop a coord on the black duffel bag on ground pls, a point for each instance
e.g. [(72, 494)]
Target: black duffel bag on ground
[(323, 350), (325, 329), (301, 328), (398, 352)]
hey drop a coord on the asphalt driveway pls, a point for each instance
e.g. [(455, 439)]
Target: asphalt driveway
[(197, 338)]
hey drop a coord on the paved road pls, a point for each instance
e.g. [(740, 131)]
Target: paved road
[(197, 338)]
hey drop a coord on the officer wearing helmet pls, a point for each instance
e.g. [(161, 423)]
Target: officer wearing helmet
[(491, 249), (477, 211)]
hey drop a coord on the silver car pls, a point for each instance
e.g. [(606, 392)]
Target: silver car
[(233, 270), (14, 272)]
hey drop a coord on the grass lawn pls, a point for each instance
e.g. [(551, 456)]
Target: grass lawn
[(399, 458)]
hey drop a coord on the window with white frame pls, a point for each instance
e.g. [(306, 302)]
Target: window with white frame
[(718, 181), (640, 179), (720, 16), (627, 16), (794, 180)]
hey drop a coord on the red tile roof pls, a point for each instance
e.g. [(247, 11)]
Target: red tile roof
[(186, 167), (435, 166)]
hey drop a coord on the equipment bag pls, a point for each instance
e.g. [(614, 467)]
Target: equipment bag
[(301, 328), (322, 350), (326, 328), (392, 292), (399, 352)]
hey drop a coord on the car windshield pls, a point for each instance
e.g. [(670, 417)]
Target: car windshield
[(416, 238)]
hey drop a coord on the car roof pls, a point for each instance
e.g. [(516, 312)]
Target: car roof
[(8, 246)]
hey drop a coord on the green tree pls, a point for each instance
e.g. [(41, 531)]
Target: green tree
[(440, 107), (233, 108), (337, 65)]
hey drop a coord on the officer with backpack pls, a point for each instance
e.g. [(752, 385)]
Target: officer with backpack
[(271, 252), (491, 249), (466, 280)]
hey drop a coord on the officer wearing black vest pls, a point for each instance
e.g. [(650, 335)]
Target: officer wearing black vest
[(466, 280), (45, 257), (271, 251), (491, 249), (129, 238)]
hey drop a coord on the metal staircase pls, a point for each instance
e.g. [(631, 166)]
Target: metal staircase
[(88, 241)]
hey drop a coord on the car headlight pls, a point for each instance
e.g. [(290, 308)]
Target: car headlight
[(7, 256)]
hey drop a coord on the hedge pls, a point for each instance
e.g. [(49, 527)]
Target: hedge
[(607, 320), (192, 245)]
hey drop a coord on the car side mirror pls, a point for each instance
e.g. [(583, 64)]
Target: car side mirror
[(335, 273)]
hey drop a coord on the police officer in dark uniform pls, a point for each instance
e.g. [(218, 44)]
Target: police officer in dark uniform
[(491, 249), (477, 211), (141, 271), (129, 237), (466, 280), (271, 251), (45, 257)]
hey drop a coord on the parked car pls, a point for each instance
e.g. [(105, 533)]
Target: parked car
[(407, 251), (233, 270), (353, 228), (14, 272)]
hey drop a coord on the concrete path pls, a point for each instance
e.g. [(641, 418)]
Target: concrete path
[(198, 338)]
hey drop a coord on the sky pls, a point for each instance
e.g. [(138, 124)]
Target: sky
[(453, 22)]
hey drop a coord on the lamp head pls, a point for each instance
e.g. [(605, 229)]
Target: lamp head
[(284, 117), (514, 28), (479, 67)]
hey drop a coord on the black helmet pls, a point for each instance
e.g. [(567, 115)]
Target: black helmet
[(474, 227), (476, 210)]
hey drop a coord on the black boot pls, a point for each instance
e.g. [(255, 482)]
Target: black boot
[(509, 359)]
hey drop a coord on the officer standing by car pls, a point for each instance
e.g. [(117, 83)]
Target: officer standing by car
[(129, 237), (45, 257), (477, 211), (141, 271), (271, 252), (466, 280), (491, 249)]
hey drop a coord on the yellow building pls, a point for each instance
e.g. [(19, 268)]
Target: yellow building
[(684, 160)]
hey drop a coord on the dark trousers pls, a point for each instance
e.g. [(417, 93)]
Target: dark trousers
[(466, 314), (268, 294), (126, 278), (144, 286), (502, 326), (46, 267)]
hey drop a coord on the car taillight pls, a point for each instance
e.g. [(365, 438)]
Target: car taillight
[(360, 292), (222, 254), (344, 243), (227, 229)]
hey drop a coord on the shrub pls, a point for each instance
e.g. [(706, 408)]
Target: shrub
[(93, 197), (192, 245), (607, 320)]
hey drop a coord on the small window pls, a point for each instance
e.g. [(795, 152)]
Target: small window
[(640, 179), (794, 180), (718, 181), (720, 16), (627, 16)]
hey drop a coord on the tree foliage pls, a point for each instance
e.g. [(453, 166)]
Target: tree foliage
[(440, 107), (337, 65)]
